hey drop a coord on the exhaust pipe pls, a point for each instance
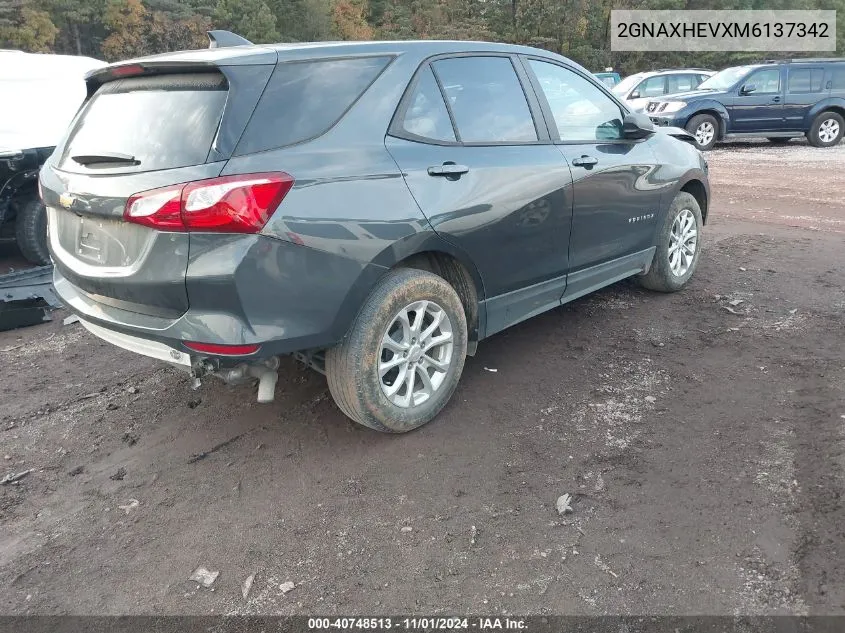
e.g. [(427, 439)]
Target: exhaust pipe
[(267, 386)]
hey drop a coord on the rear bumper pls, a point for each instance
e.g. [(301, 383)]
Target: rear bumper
[(242, 290), (146, 347)]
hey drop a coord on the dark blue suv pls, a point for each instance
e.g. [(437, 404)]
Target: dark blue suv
[(776, 100)]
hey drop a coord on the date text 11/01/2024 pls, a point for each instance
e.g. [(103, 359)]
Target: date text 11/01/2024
[(413, 624)]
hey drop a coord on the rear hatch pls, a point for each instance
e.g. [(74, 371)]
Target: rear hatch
[(146, 126)]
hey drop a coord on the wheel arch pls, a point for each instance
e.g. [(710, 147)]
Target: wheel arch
[(717, 111), (698, 190), (828, 105), (425, 251)]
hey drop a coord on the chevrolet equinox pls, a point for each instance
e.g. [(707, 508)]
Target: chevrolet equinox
[(373, 208)]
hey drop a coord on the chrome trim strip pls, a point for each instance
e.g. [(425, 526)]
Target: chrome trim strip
[(139, 345)]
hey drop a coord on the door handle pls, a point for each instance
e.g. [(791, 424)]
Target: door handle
[(775, 99), (449, 170), (585, 161)]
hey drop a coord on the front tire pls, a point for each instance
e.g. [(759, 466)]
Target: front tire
[(402, 359), (678, 247), (826, 130), (31, 231), (705, 129)]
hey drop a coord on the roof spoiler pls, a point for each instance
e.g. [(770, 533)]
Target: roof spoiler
[(225, 39)]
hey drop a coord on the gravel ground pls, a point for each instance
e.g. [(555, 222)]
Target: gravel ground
[(701, 437)]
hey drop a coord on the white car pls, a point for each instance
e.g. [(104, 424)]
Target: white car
[(41, 95), (637, 90)]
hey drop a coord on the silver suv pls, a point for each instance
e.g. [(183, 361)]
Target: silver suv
[(636, 90)]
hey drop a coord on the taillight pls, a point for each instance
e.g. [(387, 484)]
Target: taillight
[(222, 350), (229, 204)]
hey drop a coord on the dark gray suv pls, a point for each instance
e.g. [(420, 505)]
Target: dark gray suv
[(374, 208)]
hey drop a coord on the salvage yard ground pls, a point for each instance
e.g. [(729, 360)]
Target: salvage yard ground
[(701, 435)]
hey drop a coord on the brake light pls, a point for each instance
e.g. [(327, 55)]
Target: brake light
[(229, 204), (222, 350), (127, 71)]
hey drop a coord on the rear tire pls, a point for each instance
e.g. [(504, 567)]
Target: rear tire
[(670, 270), (826, 130), (705, 129), (31, 231), (400, 399)]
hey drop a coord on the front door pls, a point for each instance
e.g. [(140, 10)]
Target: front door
[(617, 196), (762, 109), (488, 179)]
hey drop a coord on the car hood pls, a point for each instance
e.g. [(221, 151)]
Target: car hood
[(693, 95)]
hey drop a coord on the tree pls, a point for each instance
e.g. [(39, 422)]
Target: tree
[(125, 21), (28, 29), (349, 21), (251, 19)]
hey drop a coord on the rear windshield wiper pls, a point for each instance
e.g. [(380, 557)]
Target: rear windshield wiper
[(105, 157)]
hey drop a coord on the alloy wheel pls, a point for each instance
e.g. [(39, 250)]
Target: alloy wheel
[(704, 133), (828, 130), (416, 354), (683, 241)]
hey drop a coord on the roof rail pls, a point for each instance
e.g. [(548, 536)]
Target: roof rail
[(225, 39), (680, 70), (803, 60)]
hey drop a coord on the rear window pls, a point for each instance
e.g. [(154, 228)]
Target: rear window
[(163, 122), (838, 77), (303, 100)]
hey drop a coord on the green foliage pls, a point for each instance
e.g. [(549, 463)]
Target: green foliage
[(252, 19), (27, 28), (579, 29)]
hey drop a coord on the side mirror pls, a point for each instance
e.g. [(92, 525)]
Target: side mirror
[(634, 95), (747, 89), (637, 125)]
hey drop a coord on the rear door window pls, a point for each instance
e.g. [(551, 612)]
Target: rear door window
[(804, 80), (426, 115), (486, 100), (303, 100), (161, 122), (680, 83)]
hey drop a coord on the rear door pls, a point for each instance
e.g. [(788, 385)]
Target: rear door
[(762, 109), (484, 173), (804, 88), (617, 197), (136, 134)]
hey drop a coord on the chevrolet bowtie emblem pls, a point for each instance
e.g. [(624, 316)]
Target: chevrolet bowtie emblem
[(66, 200)]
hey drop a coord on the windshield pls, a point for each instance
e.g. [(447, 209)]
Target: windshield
[(626, 84), (725, 78)]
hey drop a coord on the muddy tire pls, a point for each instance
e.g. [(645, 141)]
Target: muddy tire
[(31, 231), (413, 323), (673, 264), (705, 130), (826, 130)]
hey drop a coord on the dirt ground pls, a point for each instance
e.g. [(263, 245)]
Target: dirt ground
[(703, 440)]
